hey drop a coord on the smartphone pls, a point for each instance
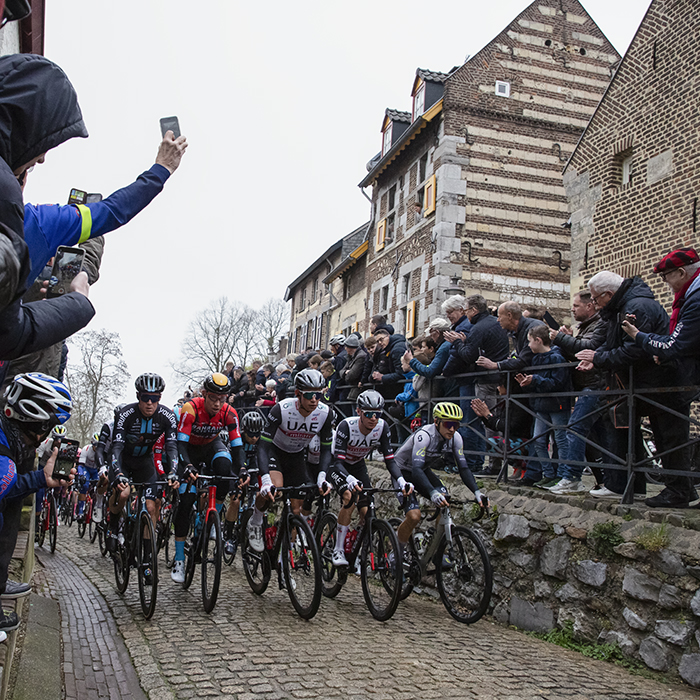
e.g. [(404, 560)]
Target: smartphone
[(170, 124), (65, 461), (77, 196), (93, 197), (66, 265)]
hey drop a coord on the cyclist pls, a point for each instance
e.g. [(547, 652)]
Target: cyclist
[(137, 428), (87, 471), (355, 439), (202, 419), (252, 425), (425, 449), (43, 453), (292, 424), (103, 456)]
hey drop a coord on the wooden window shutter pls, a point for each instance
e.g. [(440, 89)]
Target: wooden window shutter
[(381, 235), (355, 326), (410, 319), (429, 197)]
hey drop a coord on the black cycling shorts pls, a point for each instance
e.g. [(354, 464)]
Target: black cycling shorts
[(217, 462), (142, 470), (411, 502), (292, 466), (358, 470)]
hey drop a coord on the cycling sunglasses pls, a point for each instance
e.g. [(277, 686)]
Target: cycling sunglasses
[(309, 395), (372, 414), (149, 398), (451, 424)]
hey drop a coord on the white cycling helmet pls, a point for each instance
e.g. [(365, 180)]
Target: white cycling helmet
[(337, 340), (35, 397)]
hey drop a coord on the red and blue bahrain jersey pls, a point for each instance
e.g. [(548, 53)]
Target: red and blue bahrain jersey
[(197, 427)]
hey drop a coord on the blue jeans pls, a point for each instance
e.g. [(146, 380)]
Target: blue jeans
[(576, 446), (549, 470), (470, 439)]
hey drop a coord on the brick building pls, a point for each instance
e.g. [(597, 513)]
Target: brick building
[(467, 190), (633, 180), (326, 294)]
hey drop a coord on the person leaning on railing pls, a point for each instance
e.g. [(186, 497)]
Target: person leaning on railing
[(617, 299), (681, 271)]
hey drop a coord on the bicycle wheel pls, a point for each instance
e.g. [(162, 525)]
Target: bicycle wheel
[(121, 557), (102, 538), (332, 579), (43, 522), (167, 538), (465, 577), (381, 570), (82, 524), (191, 547), (53, 524), (235, 539), (211, 560), (147, 565), (92, 526), (411, 563), (301, 567), (256, 565)]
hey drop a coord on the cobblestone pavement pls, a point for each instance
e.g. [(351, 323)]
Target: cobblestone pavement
[(257, 647)]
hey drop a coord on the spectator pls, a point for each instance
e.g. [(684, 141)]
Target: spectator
[(283, 388), (379, 321), (251, 393), (291, 360), (38, 111), (340, 357), (369, 348), (326, 354), (268, 372), (387, 362), (315, 361), (437, 329), (681, 271), (259, 375), (591, 333), (239, 386), (331, 376), (617, 298), (351, 374), (228, 370), (550, 410), (269, 397)]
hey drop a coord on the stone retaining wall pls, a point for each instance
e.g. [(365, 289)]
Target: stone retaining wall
[(549, 573)]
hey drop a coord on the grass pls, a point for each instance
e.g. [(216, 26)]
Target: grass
[(653, 539), (605, 537)]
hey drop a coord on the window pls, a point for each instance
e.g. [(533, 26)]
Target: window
[(346, 285), (390, 222), (314, 290), (302, 303), (627, 169), (406, 286), (502, 88), (422, 167), (381, 235), (419, 102), (386, 142), (429, 197), (384, 298), (411, 320), (392, 197)]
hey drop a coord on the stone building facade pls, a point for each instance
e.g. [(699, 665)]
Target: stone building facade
[(634, 178), (467, 191)]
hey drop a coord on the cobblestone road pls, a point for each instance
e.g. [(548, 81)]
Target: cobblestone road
[(257, 647)]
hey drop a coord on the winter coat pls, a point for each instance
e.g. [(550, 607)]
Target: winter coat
[(38, 111), (523, 354), (350, 375), (590, 335), (340, 359), (437, 364), (486, 338), (389, 365), (409, 396), (550, 380), (454, 364)]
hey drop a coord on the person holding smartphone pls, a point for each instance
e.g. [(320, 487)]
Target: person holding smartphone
[(35, 403)]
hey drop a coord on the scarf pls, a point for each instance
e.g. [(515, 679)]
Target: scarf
[(678, 302)]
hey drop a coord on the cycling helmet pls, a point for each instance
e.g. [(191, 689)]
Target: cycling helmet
[(253, 423), (370, 400), (119, 408), (38, 398), (217, 383), (447, 411), (309, 380), (150, 383), (59, 431), (337, 339), (95, 438)]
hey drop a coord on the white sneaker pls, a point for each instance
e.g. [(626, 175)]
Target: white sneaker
[(568, 486), (604, 492), (339, 558), (3, 637), (178, 572), (255, 537)]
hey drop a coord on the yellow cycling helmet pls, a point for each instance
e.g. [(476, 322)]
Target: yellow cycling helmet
[(59, 431), (447, 411)]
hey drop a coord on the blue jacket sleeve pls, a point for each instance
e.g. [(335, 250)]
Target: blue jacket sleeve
[(436, 366), (684, 340), (26, 484)]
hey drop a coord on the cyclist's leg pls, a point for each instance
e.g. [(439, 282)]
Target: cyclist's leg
[(296, 473), (84, 485), (181, 524)]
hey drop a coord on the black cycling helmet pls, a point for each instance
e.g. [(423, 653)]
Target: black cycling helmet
[(150, 383), (309, 380), (253, 423), (217, 383), (370, 400)]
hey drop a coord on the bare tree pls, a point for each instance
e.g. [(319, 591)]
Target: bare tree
[(273, 321), (96, 376)]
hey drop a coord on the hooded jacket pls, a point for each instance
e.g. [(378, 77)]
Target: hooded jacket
[(590, 335), (523, 354), (454, 365), (486, 338), (38, 111), (388, 363)]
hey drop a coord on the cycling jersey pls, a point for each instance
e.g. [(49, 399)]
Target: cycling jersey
[(87, 457), (290, 432), (135, 435), (352, 446), (104, 444), (197, 428), (420, 452)]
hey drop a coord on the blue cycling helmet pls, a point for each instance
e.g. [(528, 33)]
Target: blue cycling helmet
[(35, 397)]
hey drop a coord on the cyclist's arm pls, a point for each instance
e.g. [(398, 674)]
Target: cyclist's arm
[(274, 420), (388, 451), (184, 429), (464, 471), (326, 438), (235, 442), (171, 443), (118, 447), (100, 446)]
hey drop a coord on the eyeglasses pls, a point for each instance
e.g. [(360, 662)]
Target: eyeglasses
[(595, 298), (372, 414), (451, 424), (252, 434), (310, 395), (149, 398), (664, 275)]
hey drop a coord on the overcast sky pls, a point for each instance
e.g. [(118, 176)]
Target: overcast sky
[(281, 103)]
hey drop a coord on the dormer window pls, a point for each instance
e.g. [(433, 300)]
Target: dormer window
[(419, 102), (386, 139)]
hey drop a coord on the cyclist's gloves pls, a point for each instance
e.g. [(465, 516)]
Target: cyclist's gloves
[(265, 485), (438, 499), (172, 477), (481, 499), (405, 486), (189, 472), (243, 474), (121, 480), (353, 483), (103, 470), (321, 480)]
